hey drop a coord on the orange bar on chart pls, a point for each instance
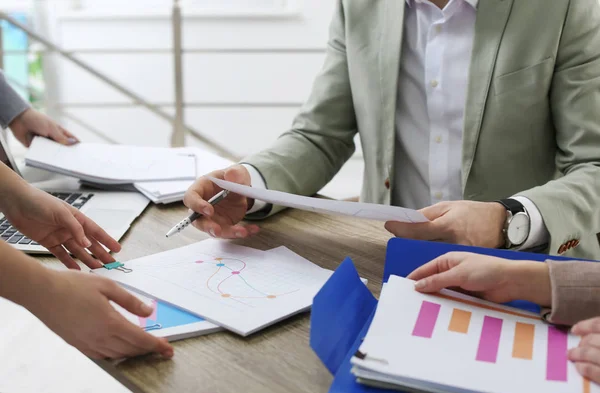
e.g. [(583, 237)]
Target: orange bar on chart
[(460, 320), (586, 386), (523, 342)]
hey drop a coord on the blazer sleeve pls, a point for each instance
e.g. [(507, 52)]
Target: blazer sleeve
[(11, 103), (575, 292), (321, 139), (570, 205)]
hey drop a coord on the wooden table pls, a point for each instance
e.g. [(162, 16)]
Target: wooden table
[(277, 359)]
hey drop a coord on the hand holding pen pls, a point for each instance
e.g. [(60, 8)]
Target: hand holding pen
[(221, 220)]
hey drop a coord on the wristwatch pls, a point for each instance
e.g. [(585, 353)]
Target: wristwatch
[(516, 227)]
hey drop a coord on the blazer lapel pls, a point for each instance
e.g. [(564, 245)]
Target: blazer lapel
[(392, 22), (492, 16)]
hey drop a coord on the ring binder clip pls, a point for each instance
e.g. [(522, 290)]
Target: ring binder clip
[(118, 266)]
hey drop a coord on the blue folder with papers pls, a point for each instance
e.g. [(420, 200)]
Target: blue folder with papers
[(342, 311)]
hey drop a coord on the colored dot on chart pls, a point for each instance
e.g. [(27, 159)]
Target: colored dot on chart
[(235, 272), (199, 261), (225, 295), (220, 264), (271, 297), (218, 259)]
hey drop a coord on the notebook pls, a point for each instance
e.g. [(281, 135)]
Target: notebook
[(111, 164), (168, 321), (450, 342), (238, 288)]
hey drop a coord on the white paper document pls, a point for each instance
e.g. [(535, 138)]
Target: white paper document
[(172, 191), (370, 211), (238, 288), (35, 359), (455, 343), (111, 164)]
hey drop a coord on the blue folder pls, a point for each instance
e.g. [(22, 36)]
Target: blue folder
[(343, 310)]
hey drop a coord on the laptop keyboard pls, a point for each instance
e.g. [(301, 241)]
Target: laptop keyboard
[(10, 235)]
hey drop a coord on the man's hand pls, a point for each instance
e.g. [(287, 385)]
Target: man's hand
[(587, 355), (221, 220), (31, 123), (461, 222), (58, 227), (494, 279), (76, 306)]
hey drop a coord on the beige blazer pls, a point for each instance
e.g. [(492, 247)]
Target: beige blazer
[(532, 111), (575, 292)]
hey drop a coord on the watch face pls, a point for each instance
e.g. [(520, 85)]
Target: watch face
[(518, 229)]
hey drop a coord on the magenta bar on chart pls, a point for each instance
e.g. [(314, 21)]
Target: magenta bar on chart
[(426, 320), (489, 341), (556, 362)]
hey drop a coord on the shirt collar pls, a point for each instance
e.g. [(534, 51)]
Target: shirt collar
[(473, 3)]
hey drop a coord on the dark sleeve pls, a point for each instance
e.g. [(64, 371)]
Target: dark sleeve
[(11, 103)]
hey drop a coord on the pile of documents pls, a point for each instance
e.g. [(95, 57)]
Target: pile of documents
[(163, 175), (237, 288), (450, 342)]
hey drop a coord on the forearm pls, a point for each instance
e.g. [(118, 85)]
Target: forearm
[(21, 277), (11, 186), (11, 104), (531, 282)]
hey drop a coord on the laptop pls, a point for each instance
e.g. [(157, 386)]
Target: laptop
[(114, 211)]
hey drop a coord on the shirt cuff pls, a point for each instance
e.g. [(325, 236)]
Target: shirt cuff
[(11, 103), (256, 181), (538, 233)]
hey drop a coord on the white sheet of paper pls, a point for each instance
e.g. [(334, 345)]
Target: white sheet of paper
[(111, 164), (406, 343), (355, 209), (170, 191), (238, 288), (35, 359)]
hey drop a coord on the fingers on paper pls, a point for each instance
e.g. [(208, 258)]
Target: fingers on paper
[(97, 233), (587, 327), (81, 254), (125, 299), (63, 256)]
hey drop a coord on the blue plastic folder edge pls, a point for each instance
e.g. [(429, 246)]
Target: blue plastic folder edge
[(344, 308)]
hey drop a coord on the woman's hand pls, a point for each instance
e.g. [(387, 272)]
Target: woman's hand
[(76, 306), (494, 279), (58, 226), (31, 123), (587, 355)]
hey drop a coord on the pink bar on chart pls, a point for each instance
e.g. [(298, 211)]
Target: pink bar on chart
[(489, 341), (154, 306), (426, 320), (556, 363)]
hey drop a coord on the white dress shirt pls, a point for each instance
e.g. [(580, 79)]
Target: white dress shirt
[(432, 92)]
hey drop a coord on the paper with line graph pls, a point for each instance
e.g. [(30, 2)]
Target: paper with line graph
[(238, 288), (369, 211), (451, 342)]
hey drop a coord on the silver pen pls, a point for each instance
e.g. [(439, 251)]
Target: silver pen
[(192, 217)]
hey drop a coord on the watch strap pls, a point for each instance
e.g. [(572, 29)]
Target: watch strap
[(512, 205)]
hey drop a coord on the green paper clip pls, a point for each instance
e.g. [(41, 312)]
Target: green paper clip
[(118, 266)]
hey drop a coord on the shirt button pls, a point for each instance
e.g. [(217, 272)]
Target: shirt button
[(438, 195), (438, 139), (434, 83)]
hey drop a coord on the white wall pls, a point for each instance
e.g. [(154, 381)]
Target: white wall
[(246, 70)]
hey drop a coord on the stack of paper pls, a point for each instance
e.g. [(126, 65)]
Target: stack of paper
[(173, 191), (450, 342), (238, 288), (111, 164)]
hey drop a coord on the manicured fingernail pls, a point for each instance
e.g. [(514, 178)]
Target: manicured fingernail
[(212, 233), (239, 234), (146, 308), (206, 211), (87, 242), (71, 141), (420, 284)]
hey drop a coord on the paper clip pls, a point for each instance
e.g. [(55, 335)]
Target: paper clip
[(156, 326), (118, 266)]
